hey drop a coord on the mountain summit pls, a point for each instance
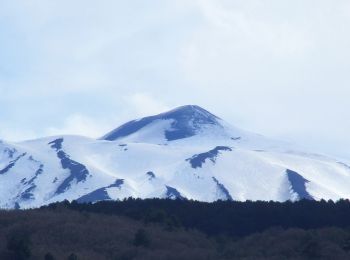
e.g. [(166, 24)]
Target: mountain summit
[(179, 123)]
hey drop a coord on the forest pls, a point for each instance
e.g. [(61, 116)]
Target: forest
[(178, 229)]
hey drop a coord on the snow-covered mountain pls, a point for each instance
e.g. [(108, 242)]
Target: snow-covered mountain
[(185, 153)]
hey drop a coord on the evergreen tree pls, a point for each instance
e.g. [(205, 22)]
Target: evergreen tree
[(141, 238)]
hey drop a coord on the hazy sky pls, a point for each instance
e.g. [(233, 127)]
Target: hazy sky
[(279, 68)]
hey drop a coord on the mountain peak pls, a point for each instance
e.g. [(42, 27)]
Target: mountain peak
[(189, 108), (189, 111), (181, 122)]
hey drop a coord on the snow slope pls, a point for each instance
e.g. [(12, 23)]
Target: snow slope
[(186, 153)]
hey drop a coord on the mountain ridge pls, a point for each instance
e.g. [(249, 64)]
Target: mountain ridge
[(185, 153)]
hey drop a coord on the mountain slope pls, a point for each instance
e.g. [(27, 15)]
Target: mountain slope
[(186, 153)]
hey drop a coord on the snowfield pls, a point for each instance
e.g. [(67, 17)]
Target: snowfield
[(186, 153)]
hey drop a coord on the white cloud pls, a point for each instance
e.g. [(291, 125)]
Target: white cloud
[(143, 104), (12, 134), (81, 125)]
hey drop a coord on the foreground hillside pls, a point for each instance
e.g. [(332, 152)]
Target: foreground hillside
[(62, 233), (177, 154), (160, 229)]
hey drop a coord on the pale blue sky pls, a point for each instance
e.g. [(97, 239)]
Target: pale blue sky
[(280, 68)]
